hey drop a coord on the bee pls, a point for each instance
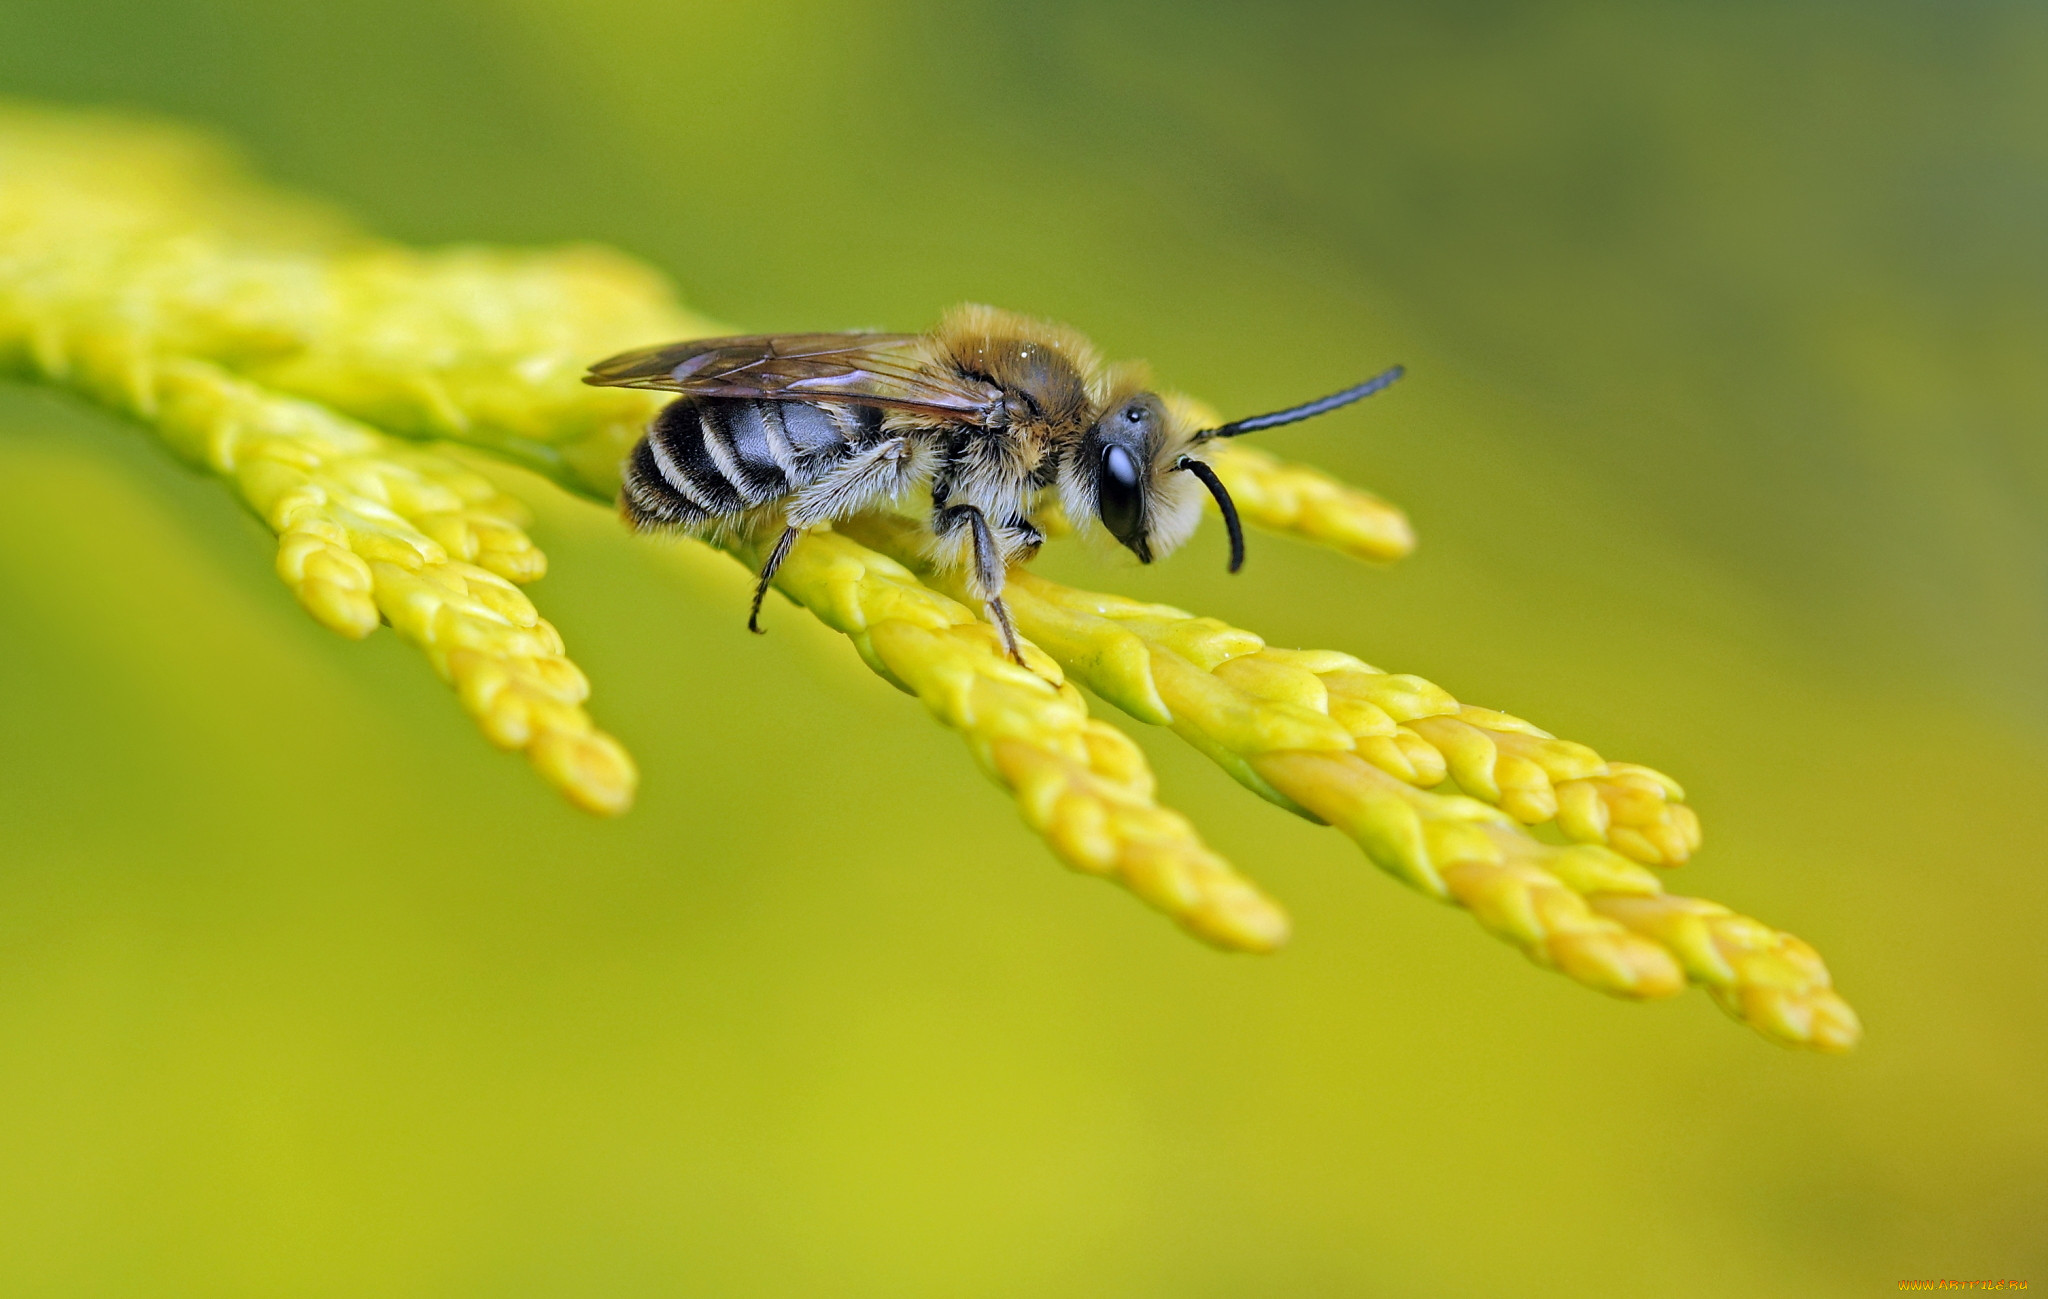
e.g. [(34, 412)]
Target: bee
[(991, 414)]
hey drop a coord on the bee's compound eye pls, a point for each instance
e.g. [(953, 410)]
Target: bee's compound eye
[(1121, 497), (1120, 467)]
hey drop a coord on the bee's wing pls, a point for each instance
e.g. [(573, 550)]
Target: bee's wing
[(857, 369)]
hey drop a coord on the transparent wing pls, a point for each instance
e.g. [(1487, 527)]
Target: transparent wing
[(856, 369)]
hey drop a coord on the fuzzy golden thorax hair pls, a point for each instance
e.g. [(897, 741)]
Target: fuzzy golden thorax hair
[(1047, 370)]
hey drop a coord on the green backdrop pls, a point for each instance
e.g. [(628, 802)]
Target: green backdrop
[(1727, 438)]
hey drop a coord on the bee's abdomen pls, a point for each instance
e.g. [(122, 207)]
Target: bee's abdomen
[(709, 459)]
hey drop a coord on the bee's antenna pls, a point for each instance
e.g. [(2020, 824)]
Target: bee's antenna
[(1201, 470), (1319, 406)]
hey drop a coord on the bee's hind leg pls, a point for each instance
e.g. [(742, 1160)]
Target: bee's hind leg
[(775, 558)]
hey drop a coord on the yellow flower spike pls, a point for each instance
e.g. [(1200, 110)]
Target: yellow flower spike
[(1635, 810), (1462, 851), (122, 243), (1535, 777), (137, 267), (1077, 781), (1551, 902), (487, 346), (1584, 910), (331, 581), (1280, 496), (328, 488), (1769, 980), (1244, 696)]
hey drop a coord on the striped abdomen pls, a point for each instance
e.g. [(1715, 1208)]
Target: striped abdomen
[(706, 459)]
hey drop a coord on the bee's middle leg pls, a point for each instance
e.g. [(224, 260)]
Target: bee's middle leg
[(988, 573)]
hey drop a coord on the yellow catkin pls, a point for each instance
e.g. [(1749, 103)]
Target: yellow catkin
[(1078, 781), (488, 347), (371, 530), (1769, 980), (123, 290), (1284, 497), (1302, 727), (142, 239), (1536, 777), (1280, 496), (1406, 726)]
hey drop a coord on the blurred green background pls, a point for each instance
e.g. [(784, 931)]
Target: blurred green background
[(1727, 438)]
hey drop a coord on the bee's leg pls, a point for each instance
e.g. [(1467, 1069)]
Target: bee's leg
[(1029, 539), (999, 613), (989, 576), (856, 481), (775, 558)]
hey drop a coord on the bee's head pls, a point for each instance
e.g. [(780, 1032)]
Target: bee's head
[(1139, 472), (1125, 475)]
